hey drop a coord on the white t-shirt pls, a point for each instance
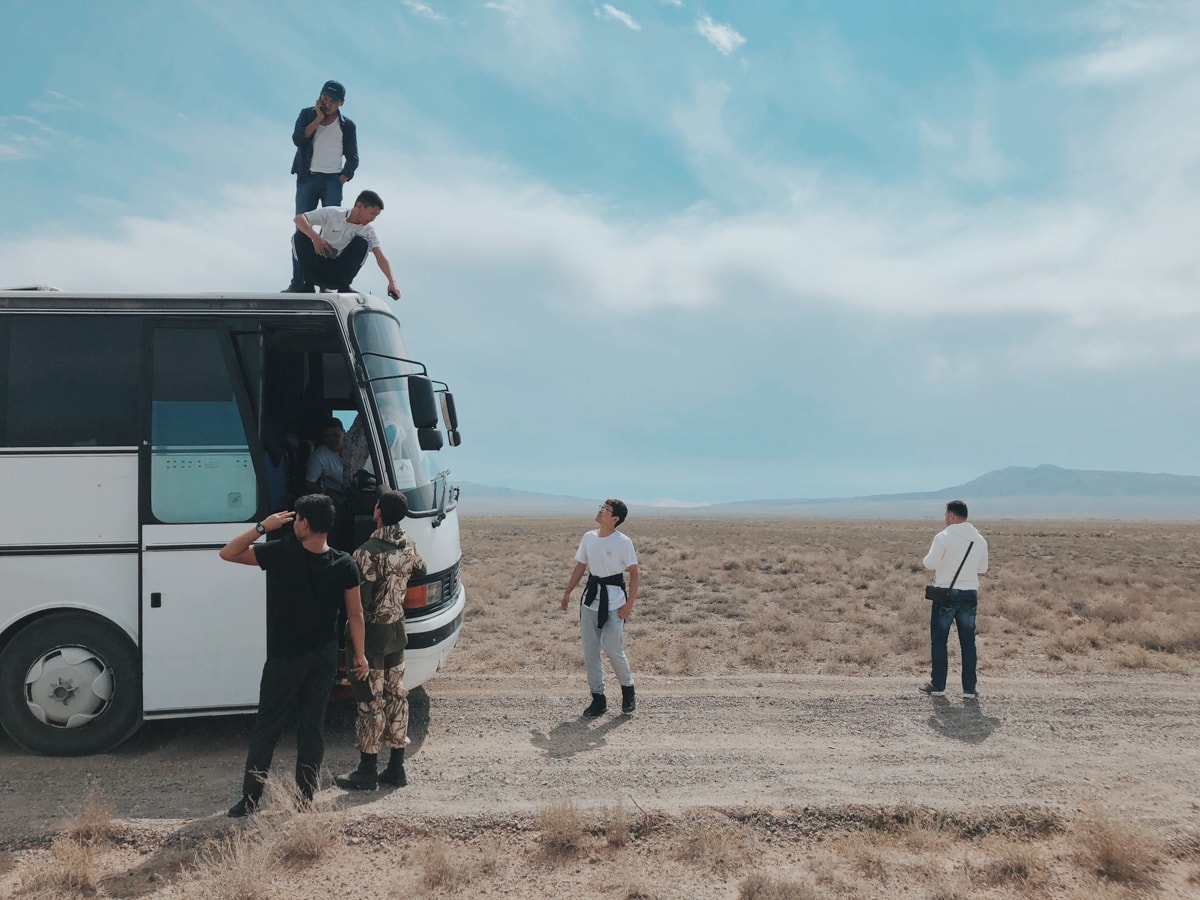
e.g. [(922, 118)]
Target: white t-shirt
[(325, 469), (327, 148), (335, 229), (606, 556)]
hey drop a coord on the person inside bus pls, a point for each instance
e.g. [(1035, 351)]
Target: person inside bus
[(308, 583), (325, 473), (333, 257)]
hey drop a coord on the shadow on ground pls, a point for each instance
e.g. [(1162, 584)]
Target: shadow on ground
[(965, 723), (575, 736), (169, 769)]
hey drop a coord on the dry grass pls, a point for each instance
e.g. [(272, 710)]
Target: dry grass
[(287, 833), (794, 854), (68, 868), (442, 867), (72, 866), (563, 830), (841, 598), (616, 825), (713, 843), (1116, 848), (767, 887)]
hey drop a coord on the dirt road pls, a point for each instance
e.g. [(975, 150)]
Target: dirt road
[(486, 746)]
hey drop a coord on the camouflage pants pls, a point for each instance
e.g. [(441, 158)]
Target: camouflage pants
[(384, 718)]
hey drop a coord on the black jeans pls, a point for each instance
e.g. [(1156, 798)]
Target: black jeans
[(301, 683), (330, 273)]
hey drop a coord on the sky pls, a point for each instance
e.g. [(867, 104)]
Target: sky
[(670, 250)]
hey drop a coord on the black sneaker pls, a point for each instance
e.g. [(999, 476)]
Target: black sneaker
[(345, 289), (928, 688), (296, 287), (244, 807)]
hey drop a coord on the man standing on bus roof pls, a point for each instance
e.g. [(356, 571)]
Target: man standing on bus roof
[(323, 139), (333, 257), (307, 583), (387, 561), (605, 554)]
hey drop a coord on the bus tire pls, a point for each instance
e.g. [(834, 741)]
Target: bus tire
[(70, 686)]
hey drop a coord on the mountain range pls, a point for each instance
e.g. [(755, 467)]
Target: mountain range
[(1015, 492)]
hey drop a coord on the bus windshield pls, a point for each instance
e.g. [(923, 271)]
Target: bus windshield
[(412, 470)]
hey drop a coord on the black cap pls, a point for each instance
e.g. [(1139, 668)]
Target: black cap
[(333, 90)]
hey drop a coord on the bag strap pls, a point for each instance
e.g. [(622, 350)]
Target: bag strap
[(960, 565)]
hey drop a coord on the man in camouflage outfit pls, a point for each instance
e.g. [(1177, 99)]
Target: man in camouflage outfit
[(387, 560)]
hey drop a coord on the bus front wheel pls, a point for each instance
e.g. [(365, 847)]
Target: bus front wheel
[(69, 686)]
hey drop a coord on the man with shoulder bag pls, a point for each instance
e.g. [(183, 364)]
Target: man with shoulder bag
[(958, 556)]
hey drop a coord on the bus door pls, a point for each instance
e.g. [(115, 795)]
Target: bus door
[(203, 619)]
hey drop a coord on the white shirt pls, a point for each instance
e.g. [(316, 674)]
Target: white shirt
[(606, 556), (325, 469), (336, 230), (946, 552), (327, 148)]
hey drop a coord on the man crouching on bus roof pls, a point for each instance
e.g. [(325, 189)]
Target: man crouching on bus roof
[(333, 257), (307, 581)]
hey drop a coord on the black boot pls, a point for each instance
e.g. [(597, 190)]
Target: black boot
[(364, 778), (628, 701), (394, 773), (599, 705)]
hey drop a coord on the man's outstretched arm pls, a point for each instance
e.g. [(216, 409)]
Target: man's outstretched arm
[(386, 268)]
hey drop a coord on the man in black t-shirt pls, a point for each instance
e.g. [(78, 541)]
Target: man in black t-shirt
[(307, 583)]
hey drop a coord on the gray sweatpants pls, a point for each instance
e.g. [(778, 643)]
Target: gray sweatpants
[(610, 641)]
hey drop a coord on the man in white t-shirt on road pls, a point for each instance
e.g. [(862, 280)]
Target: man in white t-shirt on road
[(605, 554), (333, 257)]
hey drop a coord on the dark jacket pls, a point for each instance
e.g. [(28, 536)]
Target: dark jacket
[(304, 146)]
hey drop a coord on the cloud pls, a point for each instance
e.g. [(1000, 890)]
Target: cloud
[(423, 10), (723, 37), (53, 101), (508, 10), (25, 138), (1097, 288), (1132, 60), (611, 12)]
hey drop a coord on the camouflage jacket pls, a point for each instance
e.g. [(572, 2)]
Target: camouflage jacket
[(387, 560)]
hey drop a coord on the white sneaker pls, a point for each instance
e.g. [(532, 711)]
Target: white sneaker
[(974, 695), (928, 688)]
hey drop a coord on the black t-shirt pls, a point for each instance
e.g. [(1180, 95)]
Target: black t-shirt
[(304, 593)]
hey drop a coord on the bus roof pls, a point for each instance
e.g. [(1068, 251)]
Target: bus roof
[(40, 298)]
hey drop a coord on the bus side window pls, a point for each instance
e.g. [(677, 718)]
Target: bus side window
[(200, 464), (69, 381)]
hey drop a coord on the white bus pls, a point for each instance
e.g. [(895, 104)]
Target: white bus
[(138, 434)]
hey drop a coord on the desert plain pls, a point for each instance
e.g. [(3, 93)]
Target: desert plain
[(779, 750)]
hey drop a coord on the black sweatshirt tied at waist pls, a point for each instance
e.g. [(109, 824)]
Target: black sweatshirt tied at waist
[(592, 591)]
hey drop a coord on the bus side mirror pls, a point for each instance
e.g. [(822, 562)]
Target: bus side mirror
[(449, 413), (423, 403), (429, 438), (453, 437)]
